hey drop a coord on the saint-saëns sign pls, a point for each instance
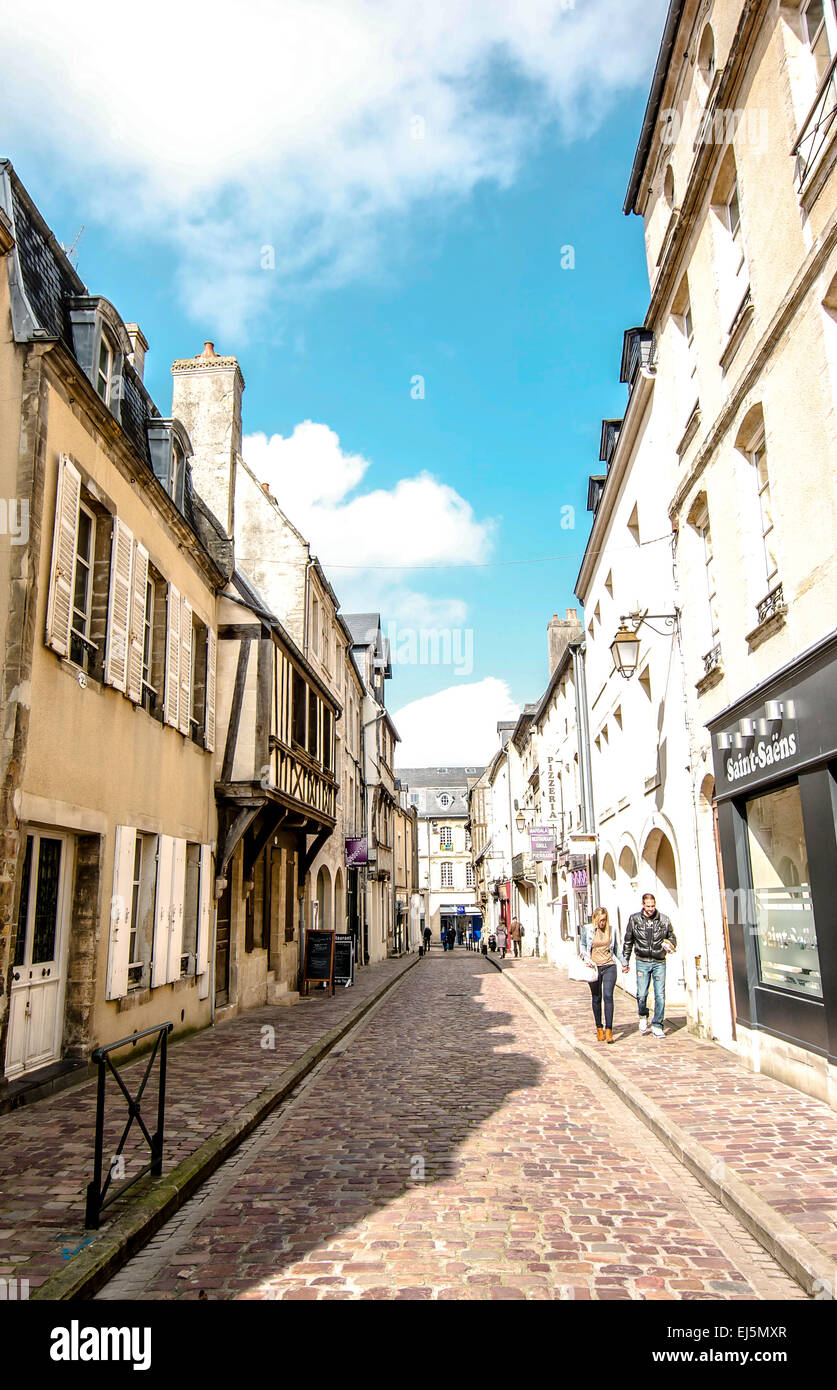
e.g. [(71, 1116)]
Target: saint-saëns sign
[(765, 752)]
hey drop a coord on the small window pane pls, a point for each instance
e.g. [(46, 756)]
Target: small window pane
[(46, 904)]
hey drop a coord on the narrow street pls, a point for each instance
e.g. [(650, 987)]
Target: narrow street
[(452, 1147)]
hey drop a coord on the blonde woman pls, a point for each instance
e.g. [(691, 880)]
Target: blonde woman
[(598, 949)]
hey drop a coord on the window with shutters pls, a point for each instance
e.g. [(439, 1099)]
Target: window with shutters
[(77, 603), (200, 637), (143, 897), (153, 643)]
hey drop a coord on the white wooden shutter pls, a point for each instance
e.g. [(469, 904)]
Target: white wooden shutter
[(172, 691), (185, 665), (204, 911), (178, 897), (64, 540), (211, 661), (137, 624), (119, 952), (119, 606), (162, 911)]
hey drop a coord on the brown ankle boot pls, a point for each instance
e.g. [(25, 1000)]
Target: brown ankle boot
[(600, 1035), (609, 1035)]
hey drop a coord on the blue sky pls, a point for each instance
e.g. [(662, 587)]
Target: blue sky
[(394, 257)]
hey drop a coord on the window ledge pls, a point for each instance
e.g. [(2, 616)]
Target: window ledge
[(737, 331), (692, 426), (651, 783), (606, 815), (765, 630), (710, 680)]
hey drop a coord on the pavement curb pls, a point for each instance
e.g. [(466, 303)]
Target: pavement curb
[(153, 1207), (798, 1256)]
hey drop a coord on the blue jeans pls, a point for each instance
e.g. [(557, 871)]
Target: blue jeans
[(605, 985), (646, 971)]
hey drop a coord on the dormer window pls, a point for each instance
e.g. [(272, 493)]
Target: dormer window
[(169, 447), (101, 346), (104, 370)]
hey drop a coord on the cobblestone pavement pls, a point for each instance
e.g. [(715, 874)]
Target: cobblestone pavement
[(782, 1143), (452, 1147), (46, 1149)]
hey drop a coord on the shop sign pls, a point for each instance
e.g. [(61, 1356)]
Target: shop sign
[(542, 843), (756, 745), (578, 861), (356, 851)]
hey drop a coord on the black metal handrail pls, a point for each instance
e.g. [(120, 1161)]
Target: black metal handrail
[(97, 1191)]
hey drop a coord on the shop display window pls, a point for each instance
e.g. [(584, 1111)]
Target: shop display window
[(783, 914)]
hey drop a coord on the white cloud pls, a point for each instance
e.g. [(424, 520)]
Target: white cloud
[(219, 129), (419, 521), (457, 725)]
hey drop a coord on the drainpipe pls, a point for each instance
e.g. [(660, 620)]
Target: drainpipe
[(582, 724)]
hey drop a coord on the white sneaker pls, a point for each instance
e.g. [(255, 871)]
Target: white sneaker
[(643, 1025), (656, 1031)]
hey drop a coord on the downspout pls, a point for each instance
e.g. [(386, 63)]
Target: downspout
[(582, 724)]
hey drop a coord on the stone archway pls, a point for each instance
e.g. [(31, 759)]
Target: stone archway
[(339, 903), (660, 868), (324, 918)]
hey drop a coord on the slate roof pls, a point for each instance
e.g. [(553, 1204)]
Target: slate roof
[(49, 281)]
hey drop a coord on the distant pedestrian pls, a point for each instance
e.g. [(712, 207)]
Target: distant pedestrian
[(502, 939), (517, 937), (650, 934), (599, 949), (427, 934)]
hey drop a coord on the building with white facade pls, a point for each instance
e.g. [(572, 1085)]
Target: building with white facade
[(446, 869)]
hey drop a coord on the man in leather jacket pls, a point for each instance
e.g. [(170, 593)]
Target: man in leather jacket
[(650, 934)]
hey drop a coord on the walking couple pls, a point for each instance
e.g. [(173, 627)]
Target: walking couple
[(650, 935)]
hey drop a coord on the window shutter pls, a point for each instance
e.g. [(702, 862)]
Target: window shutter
[(185, 665), (178, 895), (65, 534), (172, 691), (211, 661), (137, 626), (162, 911), (120, 912), (119, 606)]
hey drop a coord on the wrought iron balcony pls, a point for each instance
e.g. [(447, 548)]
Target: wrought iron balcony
[(772, 604), (712, 660), (817, 127)]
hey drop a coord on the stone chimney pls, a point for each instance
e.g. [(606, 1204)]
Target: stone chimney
[(560, 632), (139, 347), (206, 398)]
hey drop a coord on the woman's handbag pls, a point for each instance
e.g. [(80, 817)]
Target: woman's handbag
[(580, 970)]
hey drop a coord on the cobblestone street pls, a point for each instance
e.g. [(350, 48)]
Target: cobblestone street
[(452, 1147)]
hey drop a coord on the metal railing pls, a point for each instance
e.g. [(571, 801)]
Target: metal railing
[(98, 1197), (712, 660), (816, 127), (772, 604)]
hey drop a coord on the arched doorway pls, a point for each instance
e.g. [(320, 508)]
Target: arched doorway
[(658, 857), (339, 903), (324, 919), (610, 897)]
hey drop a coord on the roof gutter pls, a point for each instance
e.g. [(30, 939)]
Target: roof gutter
[(652, 110)]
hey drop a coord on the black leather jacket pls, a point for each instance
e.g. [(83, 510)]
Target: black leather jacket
[(646, 935)]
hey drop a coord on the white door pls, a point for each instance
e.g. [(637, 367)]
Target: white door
[(35, 1012)]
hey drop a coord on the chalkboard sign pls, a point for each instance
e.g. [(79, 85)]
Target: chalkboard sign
[(319, 959), (344, 959)]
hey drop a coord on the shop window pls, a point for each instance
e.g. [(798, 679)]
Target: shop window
[(783, 913)]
